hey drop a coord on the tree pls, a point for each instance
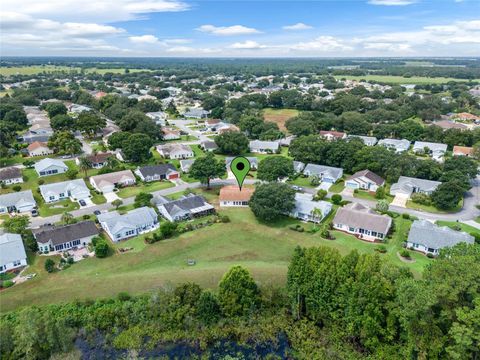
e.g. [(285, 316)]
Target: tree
[(101, 248), (117, 139), (62, 122), (272, 200), (55, 108), (168, 229), (64, 143), (67, 218), (49, 265), (117, 203), (143, 199), (238, 294), (71, 173), (382, 206), (336, 199), (137, 148), (16, 224), (232, 143), (16, 116), (448, 194), (318, 214), (206, 168), (85, 164), (380, 193), (273, 168), (208, 308), (90, 123)]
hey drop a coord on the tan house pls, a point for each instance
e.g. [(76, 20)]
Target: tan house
[(332, 135), (38, 148), (231, 195), (462, 151), (108, 182)]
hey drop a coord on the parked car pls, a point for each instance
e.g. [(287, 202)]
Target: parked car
[(82, 202), (34, 213), (297, 188), (97, 212)]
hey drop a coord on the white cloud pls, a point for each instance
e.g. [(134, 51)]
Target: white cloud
[(390, 47), (392, 2), (322, 44), (187, 50), (249, 44), (143, 39), (227, 30), (298, 26)]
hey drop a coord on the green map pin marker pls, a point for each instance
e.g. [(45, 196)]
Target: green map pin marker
[(240, 166)]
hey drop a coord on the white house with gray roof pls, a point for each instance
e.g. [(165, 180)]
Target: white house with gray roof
[(408, 185), (298, 166), (326, 174), (196, 113), (74, 190), (367, 140), (395, 144), (133, 223), (308, 210), (430, 238), (264, 147), (175, 151), (21, 202), (12, 252), (187, 207), (253, 162), (66, 237), (49, 166), (186, 164), (436, 150)]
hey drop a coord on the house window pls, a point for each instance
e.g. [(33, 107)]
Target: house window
[(75, 242), (51, 198), (353, 229), (42, 173), (62, 194), (374, 233), (17, 263)]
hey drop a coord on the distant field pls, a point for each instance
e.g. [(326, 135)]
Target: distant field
[(279, 116), (416, 80), (31, 70), (263, 249)]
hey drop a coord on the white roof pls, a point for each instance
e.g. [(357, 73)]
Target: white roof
[(11, 248), (46, 163), (76, 187), (131, 220)]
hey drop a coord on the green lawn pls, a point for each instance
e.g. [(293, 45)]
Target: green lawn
[(263, 249), (400, 79), (144, 187), (301, 181), (433, 209), (337, 187), (363, 194), (455, 225), (55, 208)]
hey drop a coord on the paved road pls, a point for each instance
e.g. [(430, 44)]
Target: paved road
[(182, 125)]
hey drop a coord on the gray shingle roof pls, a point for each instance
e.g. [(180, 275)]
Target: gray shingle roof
[(314, 169), (408, 184), (432, 236), (11, 172), (359, 216), (133, 219), (64, 234), (47, 162), (17, 198), (160, 169), (185, 205), (370, 175)]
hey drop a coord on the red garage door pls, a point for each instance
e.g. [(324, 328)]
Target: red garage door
[(173, 176)]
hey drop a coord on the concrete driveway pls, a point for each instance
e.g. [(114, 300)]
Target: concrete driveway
[(400, 200), (110, 196)]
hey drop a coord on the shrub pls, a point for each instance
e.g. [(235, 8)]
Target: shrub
[(49, 265), (123, 296), (321, 194), (380, 193), (355, 191), (405, 254), (315, 181), (382, 206), (167, 229), (406, 216), (476, 236), (430, 256), (381, 249), (422, 199), (41, 181), (224, 219), (17, 188), (7, 283), (101, 248), (70, 260), (336, 199), (86, 217)]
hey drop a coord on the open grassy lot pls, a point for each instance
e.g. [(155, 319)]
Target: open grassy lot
[(367, 195), (264, 249), (417, 80), (279, 116), (31, 70), (455, 225), (433, 209), (144, 187)]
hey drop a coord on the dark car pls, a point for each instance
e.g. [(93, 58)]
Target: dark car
[(97, 212), (82, 202), (34, 213)]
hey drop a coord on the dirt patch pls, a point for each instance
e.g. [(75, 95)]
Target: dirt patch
[(246, 255), (279, 117)]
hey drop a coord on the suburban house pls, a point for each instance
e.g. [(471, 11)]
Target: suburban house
[(196, 113), (298, 167), (462, 151), (106, 183), (158, 116), (253, 162), (362, 221), (78, 108), (408, 186), (175, 151), (264, 147), (331, 135), (395, 144), (464, 116), (49, 166), (365, 180), (430, 238), (326, 174), (12, 252), (308, 210), (11, 175), (367, 140), (185, 165), (287, 140), (98, 160), (21, 202), (447, 124), (212, 124), (231, 195), (157, 172), (170, 134), (134, 222), (63, 238), (227, 127), (187, 207), (208, 145), (38, 148), (73, 189), (437, 150)]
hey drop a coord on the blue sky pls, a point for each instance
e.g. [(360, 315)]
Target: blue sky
[(241, 28)]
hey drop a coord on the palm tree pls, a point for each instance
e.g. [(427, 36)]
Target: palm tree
[(112, 162), (316, 213), (85, 164), (67, 218)]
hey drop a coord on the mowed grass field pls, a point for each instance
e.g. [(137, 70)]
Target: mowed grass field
[(417, 80), (265, 250), (279, 116), (31, 70)]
